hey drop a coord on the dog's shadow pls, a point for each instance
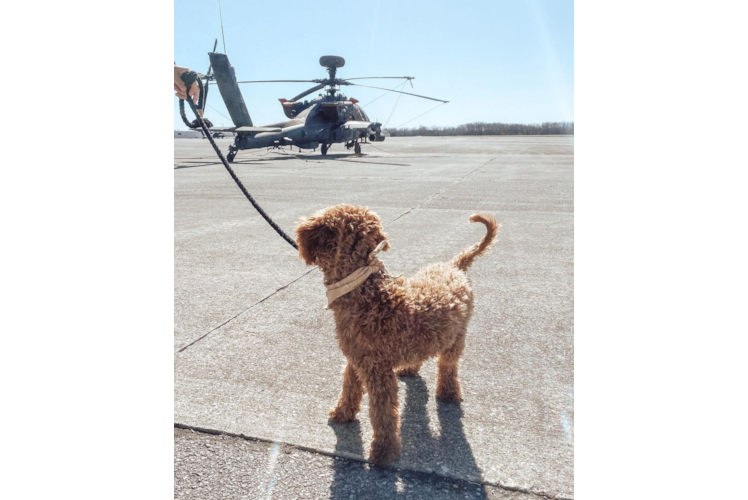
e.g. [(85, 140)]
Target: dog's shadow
[(446, 454)]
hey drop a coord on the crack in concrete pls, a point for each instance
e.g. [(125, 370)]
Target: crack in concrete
[(376, 162), (439, 192), (178, 167), (347, 456), (244, 311)]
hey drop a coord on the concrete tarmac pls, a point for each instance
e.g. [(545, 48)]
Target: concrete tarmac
[(255, 351)]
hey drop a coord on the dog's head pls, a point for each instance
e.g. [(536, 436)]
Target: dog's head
[(339, 238)]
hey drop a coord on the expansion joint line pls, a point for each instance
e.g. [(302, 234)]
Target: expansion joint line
[(451, 477), (440, 192), (244, 311)]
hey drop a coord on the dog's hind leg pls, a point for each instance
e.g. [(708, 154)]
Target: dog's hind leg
[(350, 399), (447, 385), (409, 370), (381, 384)]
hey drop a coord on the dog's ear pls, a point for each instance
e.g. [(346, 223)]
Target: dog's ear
[(379, 236), (374, 224), (311, 235)]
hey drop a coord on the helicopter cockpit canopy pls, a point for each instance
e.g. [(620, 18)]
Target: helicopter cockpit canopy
[(341, 111)]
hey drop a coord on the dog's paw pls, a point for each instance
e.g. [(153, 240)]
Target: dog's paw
[(342, 415), (406, 372), (384, 452)]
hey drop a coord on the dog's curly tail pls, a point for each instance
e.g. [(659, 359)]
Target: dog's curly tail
[(467, 256)]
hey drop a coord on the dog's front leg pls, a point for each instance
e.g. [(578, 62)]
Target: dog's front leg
[(381, 385), (350, 399)]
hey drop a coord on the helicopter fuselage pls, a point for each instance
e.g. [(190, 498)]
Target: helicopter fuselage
[(324, 120)]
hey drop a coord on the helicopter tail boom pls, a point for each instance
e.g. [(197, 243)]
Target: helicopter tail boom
[(229, 88)]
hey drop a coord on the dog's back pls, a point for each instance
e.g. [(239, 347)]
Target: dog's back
[(440, 302)]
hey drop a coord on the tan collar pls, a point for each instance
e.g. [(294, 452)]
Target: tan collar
[(357, 277)]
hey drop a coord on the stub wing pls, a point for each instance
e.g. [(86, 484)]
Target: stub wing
[(258, 129), (246, 130), (356, 125)]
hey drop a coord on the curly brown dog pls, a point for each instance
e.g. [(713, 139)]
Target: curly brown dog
[(387, 322)]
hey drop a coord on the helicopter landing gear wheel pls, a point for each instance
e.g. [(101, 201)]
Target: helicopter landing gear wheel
[(357, 148), (230, 157), (324, 149)]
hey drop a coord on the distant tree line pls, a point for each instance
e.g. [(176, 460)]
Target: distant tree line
[(481, 128)]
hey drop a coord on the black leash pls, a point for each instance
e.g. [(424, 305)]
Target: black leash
[(201, 101), (189, 78)]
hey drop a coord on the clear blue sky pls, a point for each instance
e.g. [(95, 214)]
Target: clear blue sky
[(503, 61)]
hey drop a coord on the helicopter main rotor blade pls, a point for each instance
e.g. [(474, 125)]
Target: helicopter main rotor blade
[(372, 77), (399, 92), (279, 81), (306, 93)]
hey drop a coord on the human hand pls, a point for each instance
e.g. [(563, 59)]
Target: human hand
[(181, 88)]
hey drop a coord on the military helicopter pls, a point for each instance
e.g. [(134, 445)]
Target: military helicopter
[(328, 119)]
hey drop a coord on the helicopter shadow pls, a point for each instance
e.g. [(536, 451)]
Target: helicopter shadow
[(291, 156), (249, 160), (447, 453)]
